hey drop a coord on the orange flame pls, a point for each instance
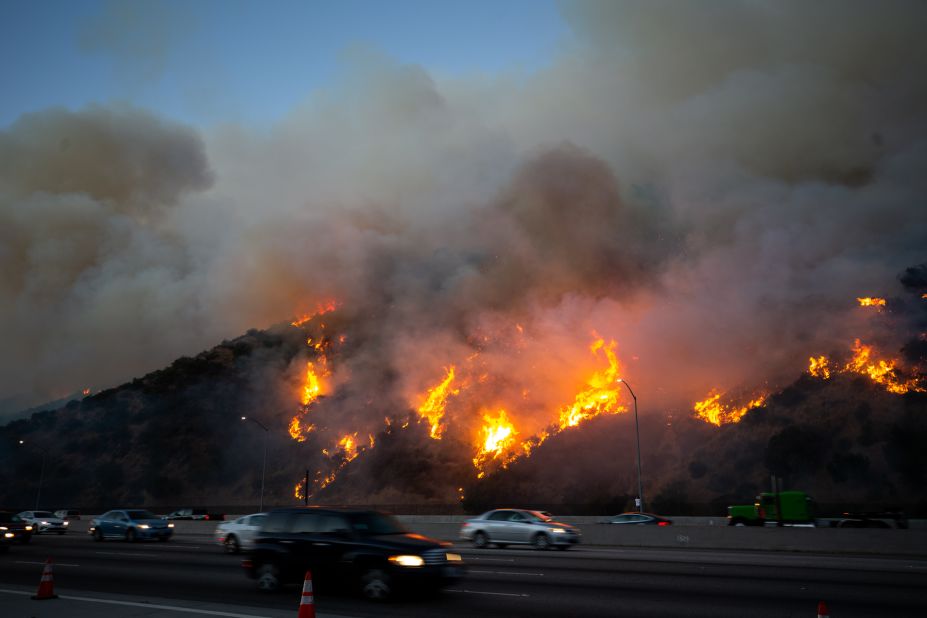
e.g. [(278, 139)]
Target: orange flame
[(321, 309), (435, 401), (601, 392), (496, 436), (871, 301), (819, 367), (879, 371), (85, 392), (713, 410)]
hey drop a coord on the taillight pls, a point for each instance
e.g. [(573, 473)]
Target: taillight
[(207, 518), (663, 523), (246, 564)]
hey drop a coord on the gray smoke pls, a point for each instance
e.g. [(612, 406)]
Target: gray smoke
[(710, 184)]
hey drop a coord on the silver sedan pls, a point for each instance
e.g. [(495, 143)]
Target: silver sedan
[(503, 527)]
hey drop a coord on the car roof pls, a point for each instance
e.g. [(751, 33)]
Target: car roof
[(344, 510)]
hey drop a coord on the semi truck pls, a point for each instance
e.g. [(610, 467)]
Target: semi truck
[(797, 508)]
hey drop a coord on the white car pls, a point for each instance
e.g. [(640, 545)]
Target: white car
[(44, 521), (239, 534)]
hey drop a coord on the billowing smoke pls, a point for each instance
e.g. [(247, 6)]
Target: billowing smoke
[(708, 184)]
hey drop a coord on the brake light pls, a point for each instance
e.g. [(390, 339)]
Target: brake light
[(206, 518), (246, 564), (663, 523)]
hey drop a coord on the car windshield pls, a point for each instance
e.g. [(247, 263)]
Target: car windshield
[(372, 524), (141, 515), (42, 514)]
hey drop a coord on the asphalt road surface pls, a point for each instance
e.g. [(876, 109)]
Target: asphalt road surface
[(584, 581)]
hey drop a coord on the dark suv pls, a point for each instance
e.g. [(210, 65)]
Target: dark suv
[(370, 551)]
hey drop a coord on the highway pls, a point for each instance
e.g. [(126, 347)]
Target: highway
[(584, 581)]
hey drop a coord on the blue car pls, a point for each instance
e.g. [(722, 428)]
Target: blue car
[(130, 525)]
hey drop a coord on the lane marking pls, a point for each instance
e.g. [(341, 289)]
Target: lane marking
[(495, 594), (173, 608), (119, 553), (505, 573), (64, 564)]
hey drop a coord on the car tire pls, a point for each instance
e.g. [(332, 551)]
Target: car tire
[(376, 584), (541, 541), (268, 578), (130, 535), (480, 540), (97, 535), (232, 546)]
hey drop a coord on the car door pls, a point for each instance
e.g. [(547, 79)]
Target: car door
[(519, 528), (498, 526), (250, 528)]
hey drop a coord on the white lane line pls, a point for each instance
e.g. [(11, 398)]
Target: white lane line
[(495, 594), (64, 564), (505, 573), (119, 553), (173, 608)]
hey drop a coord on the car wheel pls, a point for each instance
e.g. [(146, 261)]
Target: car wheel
[(376, 585), (97, 535), (480, 540), (268, 578), (231, 544), (541, 541), (130, 535)]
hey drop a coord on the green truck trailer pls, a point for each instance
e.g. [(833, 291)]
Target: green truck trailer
[(796, 506)]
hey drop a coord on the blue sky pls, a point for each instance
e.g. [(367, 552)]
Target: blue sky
[(210, 61)]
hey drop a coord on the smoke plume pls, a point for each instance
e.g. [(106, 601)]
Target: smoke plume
[(709, 184)]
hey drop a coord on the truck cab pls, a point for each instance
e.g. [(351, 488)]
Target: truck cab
[(797, 508)]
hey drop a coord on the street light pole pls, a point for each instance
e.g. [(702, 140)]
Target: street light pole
[(38, 492), (637, 430), (264, 463)]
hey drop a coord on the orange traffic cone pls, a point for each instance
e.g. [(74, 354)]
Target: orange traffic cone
[(47, 583), (822, 610), (307, 604)]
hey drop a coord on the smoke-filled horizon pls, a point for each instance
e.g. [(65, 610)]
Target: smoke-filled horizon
[(710, 185)]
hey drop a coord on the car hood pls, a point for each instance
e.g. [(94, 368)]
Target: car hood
[(51, 520), (404, 542)]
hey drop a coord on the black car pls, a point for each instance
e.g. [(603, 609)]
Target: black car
[(14, 528), (638, 519), (369, 551), (196, 514)]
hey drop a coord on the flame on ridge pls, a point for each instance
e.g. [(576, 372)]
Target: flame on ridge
[(871, 301), (601, 392), (433, 407), (496, 436), (713, 410), (819, 367), (321, 309)]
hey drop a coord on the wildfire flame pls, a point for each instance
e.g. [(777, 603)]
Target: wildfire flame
[(879, 371), (496, 436), (601, 392), (819, 367), (321, 309), (435, 401), (713, 410), (870, 301)]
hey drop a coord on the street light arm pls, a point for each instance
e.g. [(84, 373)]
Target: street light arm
[(254, 420), (623, 381)]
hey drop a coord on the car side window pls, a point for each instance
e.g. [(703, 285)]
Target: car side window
[(258, 520), (516, 517), (123, 517), (277, 523), (305, 523), (500, 516), (334, 525)]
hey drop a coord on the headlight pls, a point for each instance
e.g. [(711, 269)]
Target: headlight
[(453, 557), (557, 530), (29, 528), (3, 528), (44, 523), (144, 526), (9, 535), (407, 561), (66, 523), (170, 525)]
